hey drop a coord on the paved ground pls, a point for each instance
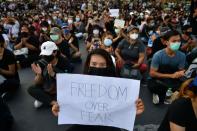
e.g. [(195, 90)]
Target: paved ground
[(27, 118)]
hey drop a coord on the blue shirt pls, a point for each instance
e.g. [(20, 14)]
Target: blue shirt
[(161, 58)]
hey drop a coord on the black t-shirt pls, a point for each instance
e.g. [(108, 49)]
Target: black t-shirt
[(131, 52), (8, 59), (33, 40), (181, 113), (92, 128), (62, 66), (75, 41), (64, 48)]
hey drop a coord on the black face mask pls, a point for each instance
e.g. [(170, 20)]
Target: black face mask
[(48, 58), (24, 34), (99, 71)]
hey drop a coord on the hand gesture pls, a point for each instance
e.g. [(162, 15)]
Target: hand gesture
[(177, 74), (36, 69), (55, 109), (120, 61), (139, 107)]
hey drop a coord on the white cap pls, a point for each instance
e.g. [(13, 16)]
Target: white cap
[(47, 48)]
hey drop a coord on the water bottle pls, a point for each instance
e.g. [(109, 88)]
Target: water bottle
[(169, 93)]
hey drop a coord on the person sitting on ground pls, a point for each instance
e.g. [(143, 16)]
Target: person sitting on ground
[(44, 88), (99, 63), (8, 70), (93, 40), (107, 42), (72, 42), (27, 40), (56, 36), (167, 67), (182, 114), (131, 51), (44, 33)]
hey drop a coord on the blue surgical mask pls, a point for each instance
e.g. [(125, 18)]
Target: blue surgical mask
[(77, 19), (175, 46), (107, 42)]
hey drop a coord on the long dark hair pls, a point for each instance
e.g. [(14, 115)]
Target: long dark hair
[(106, 56)]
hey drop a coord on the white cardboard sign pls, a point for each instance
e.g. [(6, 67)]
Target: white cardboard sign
[(96, 100)]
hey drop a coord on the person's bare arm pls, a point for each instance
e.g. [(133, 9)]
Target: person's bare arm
[(175, 127), (154, 73), (140, 60), (11, 70)]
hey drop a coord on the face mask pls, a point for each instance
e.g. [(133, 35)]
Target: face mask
[(77, 19), (54, 37), (44, 29), (96, 32), (24, 34), (98, 71), (54, 17), (90, 21), (70, 22), (175, 46), (152, 24), (158, 32), (134, 36), (48, 59), (117, 31), (108, 42), (65, 18), (49, 22)]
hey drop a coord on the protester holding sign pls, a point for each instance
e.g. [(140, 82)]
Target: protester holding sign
[(99, 63)]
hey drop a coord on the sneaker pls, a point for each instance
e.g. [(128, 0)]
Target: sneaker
[(37, 104), (155, 99)]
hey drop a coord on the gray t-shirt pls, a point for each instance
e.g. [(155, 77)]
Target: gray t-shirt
[(131, 52), (160, 58)]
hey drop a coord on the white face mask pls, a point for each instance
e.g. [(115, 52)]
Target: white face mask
[(96, 32), (70, 21), (134, 36), (54, 17), (49, 21), (65, 18), (117, 31)]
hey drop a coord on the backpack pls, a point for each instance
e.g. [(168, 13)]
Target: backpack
[(191, 72)]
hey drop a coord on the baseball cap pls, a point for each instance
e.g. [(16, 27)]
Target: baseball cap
[(130, 28), (47, 48), (164, 31), (55, 30)]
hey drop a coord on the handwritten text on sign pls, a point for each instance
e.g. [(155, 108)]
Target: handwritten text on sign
[(95, 100)]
